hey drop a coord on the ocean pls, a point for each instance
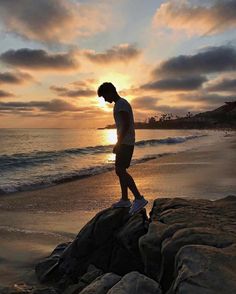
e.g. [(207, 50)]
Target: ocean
[(35, 158)]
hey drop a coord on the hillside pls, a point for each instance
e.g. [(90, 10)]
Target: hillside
[(221, 117)]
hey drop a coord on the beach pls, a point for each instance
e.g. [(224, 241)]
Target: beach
[(34, 222)]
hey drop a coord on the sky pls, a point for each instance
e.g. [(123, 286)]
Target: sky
[(162, 56)]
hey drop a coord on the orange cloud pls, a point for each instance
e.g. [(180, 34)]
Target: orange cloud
[(199, 20), (4, 94), (16, 78), (80, 89), (122, 52)]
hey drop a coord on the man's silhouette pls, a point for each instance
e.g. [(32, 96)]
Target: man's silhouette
[(124, 147)]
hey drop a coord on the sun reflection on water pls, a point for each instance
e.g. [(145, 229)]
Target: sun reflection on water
[(110, 137)]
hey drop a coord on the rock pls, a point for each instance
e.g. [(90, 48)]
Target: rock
[(135, 283), (107, 241), (177, 222), (183, 237), (47, 269), (85, 280), (205, 270), (125, 254), (188, 246), (150, 249), (102, 284)]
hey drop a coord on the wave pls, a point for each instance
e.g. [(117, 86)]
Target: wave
[(20, 160), (66, 177), (54, 167)]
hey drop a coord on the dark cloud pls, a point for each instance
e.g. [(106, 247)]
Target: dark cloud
[(55, 105), (211, 60), (123, 53), (65, 92), (176, 84), (151, 105), (206, 98), (196, 18), (145, 103), (4, 94), (14, 77), (224, 85), (51, 20), (38, 59)]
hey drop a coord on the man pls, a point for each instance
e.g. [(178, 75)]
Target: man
[(124, 147)]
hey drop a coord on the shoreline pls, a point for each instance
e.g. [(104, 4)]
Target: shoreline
[(102, 170), (134, 168)]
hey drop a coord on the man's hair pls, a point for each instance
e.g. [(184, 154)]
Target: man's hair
[(106, 88)]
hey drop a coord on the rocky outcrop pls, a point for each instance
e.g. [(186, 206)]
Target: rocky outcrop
[(109, 241), (187, 246), (180, 225)]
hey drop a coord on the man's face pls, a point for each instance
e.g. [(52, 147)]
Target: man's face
[(107, 98)]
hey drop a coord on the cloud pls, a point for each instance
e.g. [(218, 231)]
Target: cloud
[(81, 89), (206, 98), (4, 94), (55, 105), (204, 19), (123, 52), (14, 77), (53, 20), (211, 60), (145, 103), (176, 84), (152, 105), (39, 59), (224, 85)]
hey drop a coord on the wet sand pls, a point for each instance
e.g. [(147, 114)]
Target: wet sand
[(32, 223)]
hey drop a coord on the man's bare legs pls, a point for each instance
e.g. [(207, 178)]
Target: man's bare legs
[(126, 181)]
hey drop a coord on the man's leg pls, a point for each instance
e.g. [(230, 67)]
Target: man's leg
[(126, 181)]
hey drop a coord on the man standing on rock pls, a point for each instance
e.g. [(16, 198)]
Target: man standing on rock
[(123, 116)]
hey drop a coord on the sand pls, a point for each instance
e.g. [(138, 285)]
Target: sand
[(32, 223)]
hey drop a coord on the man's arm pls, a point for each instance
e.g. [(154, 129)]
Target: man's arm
[(125, 127)]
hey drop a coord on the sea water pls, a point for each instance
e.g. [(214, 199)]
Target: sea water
[(35, 158)]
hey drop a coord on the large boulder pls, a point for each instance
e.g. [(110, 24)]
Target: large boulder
[(176, 223), (205, 269), (109, 241), (187, 246)]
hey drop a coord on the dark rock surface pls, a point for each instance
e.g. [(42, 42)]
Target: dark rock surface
[(102, 284), (187, 246), (135, 283), (109, 241), (181, 222)]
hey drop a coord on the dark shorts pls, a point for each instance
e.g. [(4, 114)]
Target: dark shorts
[(124, 155)]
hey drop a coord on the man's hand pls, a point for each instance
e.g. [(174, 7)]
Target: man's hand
[(116, 148)]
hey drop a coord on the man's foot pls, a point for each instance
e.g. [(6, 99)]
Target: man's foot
[(122, 203), (137, 205)]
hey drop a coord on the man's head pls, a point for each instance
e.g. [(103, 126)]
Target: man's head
[(108, 92)]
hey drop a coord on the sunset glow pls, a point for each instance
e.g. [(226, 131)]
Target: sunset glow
[(162, 56)]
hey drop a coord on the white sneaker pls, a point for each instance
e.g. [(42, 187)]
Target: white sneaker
[(122, 203), (138, 204)]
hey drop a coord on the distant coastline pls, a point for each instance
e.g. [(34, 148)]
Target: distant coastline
[(223, 117)]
